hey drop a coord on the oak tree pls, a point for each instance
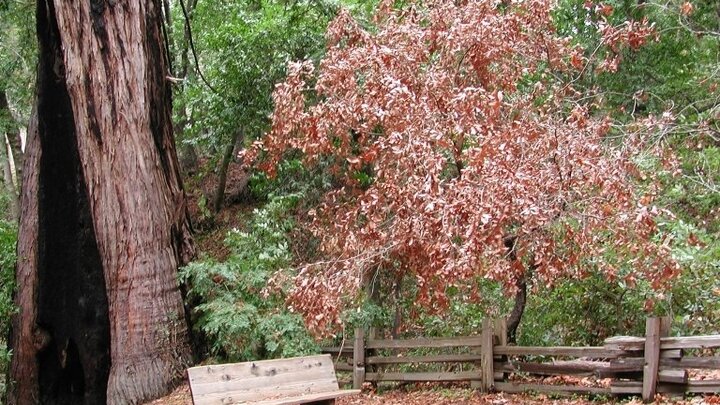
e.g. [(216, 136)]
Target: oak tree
[(462, 150)]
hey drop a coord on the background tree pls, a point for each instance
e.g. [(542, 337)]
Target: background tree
[(104, 224), (242, 49), (17, 54), (675, 74)]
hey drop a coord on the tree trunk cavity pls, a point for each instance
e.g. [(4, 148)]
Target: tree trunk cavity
[(104, 225)]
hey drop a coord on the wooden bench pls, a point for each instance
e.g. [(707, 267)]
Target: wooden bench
[(297, 380)]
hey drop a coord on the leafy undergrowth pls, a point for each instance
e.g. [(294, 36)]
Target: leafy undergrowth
[(210, 230), (445, 395)]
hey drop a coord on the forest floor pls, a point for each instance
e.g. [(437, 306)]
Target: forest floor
[(427, 394)]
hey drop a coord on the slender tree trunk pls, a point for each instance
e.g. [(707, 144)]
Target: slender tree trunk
[(513, 320), (9, 175), (8, 180), (104, 224), (26, 339), (397, 292), (185, 57), (14, 135), (15, 141), (222, 176), (188, 153)]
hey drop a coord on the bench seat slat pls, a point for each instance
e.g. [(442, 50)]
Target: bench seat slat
[(320, 380), (303, 399), (267, 373), (281, 381), (290, 389)]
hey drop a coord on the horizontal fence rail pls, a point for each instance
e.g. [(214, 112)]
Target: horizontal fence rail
[(655, 363)]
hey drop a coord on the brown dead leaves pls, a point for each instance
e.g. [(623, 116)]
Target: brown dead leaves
[(435, 109)]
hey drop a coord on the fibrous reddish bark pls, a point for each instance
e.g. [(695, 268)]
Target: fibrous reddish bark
[(104, 224)]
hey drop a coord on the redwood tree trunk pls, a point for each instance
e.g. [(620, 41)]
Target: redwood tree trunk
[(104, 224)]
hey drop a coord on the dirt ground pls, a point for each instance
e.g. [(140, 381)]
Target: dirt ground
[(425, 394)]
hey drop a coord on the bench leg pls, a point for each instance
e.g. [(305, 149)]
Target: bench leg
[(324, 402)]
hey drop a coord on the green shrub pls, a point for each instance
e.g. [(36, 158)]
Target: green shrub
[(585, 312), (582, 312), (241, 319), (8, 239)]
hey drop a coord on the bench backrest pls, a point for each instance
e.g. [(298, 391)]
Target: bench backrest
[(262, 380)]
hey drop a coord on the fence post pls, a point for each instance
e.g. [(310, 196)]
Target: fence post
[(359, 359), (477, 384), (486, 356), (501, 333), (652, 358), (665, 325)]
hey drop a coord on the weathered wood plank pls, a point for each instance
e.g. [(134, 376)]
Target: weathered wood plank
[(441, 358), (486, 356), (674, 376), (226, 398), (279, 380), (691, 342), (501, 333), (560, 368), (359, 359), (665, 326), (666, 343), (549, 389), (652, 359), (287, 384), (695, 387), (241, 376), (345, 350), (625, 387), (595, 352), (260, 393), (629, 365), (423, 342), (310, 398), (705, 386), (671, 353), (600, 369), (424, 376), (712, 363), (538, 368), (629, 343)]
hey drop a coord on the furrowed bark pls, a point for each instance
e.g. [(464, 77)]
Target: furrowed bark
[(25, 338), (104, 224), (116, 78)]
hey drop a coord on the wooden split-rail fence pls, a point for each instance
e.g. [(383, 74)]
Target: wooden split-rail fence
[(655, 363)]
